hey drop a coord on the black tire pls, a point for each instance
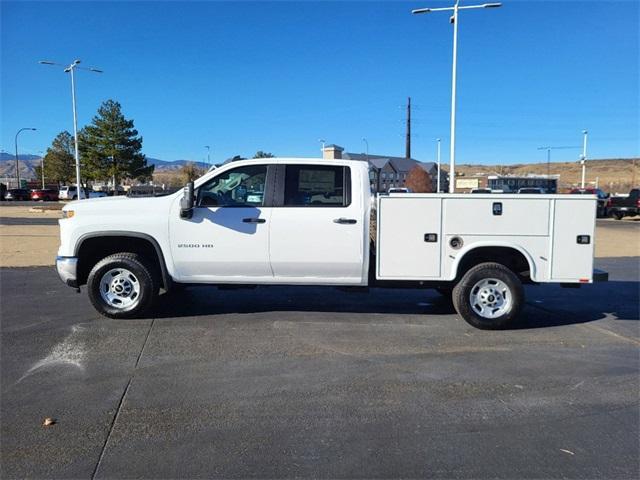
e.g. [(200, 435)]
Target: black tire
[(490, 272), (143, 273), (75, 197), (618, 215)]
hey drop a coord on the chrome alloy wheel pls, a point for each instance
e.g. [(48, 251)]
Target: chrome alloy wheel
[(490, 298), (120, 288)]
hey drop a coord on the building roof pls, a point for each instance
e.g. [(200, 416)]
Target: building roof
[(400, 164)]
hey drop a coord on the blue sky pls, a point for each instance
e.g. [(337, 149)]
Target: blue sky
[(277, 76)]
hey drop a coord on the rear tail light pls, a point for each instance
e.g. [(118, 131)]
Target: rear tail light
[(638, 203)]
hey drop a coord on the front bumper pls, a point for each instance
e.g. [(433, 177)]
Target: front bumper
[(67, 270)]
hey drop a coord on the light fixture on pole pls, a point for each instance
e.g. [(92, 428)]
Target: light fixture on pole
[(366, 144), (583, 159), (16, 143), (322, 142), (438, 159), (454, 20), (70, 69)]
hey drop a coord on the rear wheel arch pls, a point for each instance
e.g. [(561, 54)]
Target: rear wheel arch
[(515, 259), (93, 247)]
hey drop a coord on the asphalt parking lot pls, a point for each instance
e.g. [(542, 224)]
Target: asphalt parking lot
[(309, 382)]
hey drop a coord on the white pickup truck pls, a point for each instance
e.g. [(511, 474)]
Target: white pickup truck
[(297, 221)]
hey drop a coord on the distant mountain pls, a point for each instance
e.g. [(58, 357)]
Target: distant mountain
[(29, 162), (5, 157), (171, 165)]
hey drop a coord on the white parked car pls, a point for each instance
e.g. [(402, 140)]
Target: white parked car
[(71, 193), (307, 222)]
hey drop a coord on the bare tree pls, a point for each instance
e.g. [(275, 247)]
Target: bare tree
[(418, 180)]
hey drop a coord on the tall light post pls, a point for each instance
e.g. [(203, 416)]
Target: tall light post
[(322, 142), (454, 20), (583, 159), (70, 69), (17, 164), (366, 146)]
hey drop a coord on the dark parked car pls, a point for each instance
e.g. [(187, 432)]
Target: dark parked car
[(17, 194), (603, 199), (46, 195), (620, 207), (535, 190)]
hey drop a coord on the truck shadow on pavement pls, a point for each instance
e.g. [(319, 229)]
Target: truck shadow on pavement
[(546, 306)]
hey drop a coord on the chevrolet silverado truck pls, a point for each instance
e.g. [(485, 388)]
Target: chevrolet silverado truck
[(296, 221), (620, 207)]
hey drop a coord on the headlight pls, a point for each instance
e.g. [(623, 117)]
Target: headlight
[(68, 213)]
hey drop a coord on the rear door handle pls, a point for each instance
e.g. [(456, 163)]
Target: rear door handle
[(253, 220), (347, 221)]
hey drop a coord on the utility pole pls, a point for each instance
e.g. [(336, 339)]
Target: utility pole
[(454, 20), (438, 157), (408, 139)]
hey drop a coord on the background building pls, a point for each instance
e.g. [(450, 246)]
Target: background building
[(389, 172)]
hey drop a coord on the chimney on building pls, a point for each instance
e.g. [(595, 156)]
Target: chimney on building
[(332, 152)]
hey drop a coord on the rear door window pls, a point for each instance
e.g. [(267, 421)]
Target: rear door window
[(316, 186)]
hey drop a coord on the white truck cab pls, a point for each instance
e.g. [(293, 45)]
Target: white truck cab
[(294, 221)]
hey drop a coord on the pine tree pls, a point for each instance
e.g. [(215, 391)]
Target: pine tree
[(261, 154), (111, 148), (59, 161)]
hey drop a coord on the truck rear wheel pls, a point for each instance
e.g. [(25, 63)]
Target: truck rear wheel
[(122, 286), (489, 296)]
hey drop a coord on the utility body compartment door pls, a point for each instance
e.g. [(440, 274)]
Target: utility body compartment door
[(409, 238), (572, 261)]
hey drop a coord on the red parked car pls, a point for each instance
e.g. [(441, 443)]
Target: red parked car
[(46, 195)]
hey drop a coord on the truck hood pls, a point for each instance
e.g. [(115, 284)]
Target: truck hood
[(119, 204)]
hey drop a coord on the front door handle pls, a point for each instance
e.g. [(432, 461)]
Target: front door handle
[(347, 221), (253, 220)]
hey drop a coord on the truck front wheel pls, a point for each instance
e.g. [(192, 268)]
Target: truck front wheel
[(489, 296), (122, 286)]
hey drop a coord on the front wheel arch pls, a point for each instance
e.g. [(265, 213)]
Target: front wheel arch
[(93, 247)]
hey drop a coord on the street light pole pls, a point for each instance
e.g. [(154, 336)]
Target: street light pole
[(454, 20), (208, 155), (17, 163), (322, 142), (366, 147), (42, 168), (438, 157), (71, 69), (583, 161)]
